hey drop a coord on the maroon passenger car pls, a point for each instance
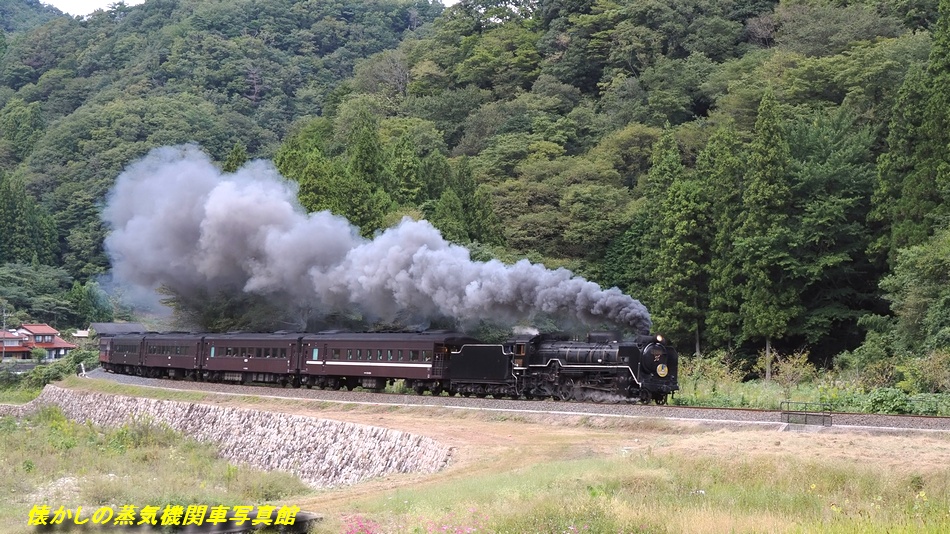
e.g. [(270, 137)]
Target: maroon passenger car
[(171, 355), (122, 354), (246, 358), (371, 360)]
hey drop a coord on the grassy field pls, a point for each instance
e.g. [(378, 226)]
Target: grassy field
[(18, 395), (512, 474), (50, 460), (657, 492)]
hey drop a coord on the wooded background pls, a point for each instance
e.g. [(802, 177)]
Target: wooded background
[(757, 173)]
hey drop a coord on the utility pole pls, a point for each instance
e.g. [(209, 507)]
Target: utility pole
[(3, 341)]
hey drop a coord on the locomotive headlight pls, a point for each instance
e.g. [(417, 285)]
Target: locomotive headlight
[(659, 339)]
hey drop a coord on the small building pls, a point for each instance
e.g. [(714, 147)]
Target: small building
[(14, 345), (43, 336)]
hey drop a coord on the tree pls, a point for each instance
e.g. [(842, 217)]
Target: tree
[(913, 191), (366, 160), (720, 165), (905, 198), (405, 171), (919, 292), (21, 125), (28, 231), (310, 137), (679, 258), (681, 277), (237, 157), (504, 59), (763, 242), (478, 207), (937, 120), (89, 304), (596, 214), (792, 371), (326, 184), (436, 174), (37, 293), (224, 311), (483, 223), (817, 30), (447, 217), (666, 166), (673, 90), (628, 150), (539, 222), (567, 51), (832, 178), (385, 74)]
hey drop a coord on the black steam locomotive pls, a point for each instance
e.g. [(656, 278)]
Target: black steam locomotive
[(603, 368)]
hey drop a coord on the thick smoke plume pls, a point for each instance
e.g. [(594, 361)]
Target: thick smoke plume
[(178, 221)]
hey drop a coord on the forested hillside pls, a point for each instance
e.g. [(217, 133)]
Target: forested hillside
[(760, 174), (24, 15)]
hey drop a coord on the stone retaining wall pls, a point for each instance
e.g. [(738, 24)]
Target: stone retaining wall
[(323, 453)]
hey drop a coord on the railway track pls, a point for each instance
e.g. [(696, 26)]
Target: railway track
[(738, 416)]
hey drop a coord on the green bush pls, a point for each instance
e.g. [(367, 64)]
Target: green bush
[(44, 374), (930, 374), (792, 370), (876, 375), (930, 404), (840, 395), (8, 379), (887, 400)]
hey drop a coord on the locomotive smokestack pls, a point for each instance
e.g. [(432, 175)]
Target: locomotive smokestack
[(178, 221)]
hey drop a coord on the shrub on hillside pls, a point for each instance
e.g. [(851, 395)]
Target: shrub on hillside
[(887, 400), (793, 370), (69, 365), (930, 374)]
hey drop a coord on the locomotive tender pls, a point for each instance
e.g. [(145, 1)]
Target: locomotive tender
[(602, 369)]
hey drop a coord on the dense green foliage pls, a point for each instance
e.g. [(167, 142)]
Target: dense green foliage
[(37, 292), (750, 169), (80, 99), (23, 15)]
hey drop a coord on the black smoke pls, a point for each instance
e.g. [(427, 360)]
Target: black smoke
[(178, 222)]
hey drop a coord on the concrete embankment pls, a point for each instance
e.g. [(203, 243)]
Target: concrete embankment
[(323, 453)]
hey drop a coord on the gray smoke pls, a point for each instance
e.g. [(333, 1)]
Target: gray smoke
[(178, 221)]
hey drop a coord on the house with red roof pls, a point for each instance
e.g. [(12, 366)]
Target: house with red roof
[(43, 336), (14, 345)]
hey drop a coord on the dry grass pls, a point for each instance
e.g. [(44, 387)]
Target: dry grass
[(50, 460), (536, 473)]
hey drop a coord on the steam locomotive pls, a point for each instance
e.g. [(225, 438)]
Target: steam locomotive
[(604, 368)]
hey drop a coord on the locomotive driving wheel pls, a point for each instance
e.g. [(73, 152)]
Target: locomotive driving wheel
[(565, 390)]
